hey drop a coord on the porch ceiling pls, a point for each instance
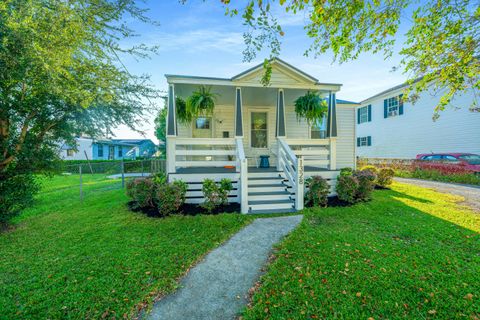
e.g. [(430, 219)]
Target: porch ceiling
[(251, 96)]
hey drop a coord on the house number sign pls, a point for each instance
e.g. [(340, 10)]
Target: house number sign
[(300, 170)]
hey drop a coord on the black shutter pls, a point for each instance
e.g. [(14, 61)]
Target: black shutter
[(369, 112), (369, 141), (385, 109), (358, 115), (358, 142), (400, 104)]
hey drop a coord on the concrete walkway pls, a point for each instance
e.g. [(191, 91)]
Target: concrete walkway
[(469, 192), (217, 288)]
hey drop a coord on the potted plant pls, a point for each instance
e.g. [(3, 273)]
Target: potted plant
[(201, 102), (311, 107), (182, 115)]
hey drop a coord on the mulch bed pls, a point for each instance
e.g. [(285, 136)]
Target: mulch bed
[(188, 209)]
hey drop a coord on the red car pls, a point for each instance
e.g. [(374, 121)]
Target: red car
[(465, 161)]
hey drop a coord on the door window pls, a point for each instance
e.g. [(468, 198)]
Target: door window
[(259, 130)]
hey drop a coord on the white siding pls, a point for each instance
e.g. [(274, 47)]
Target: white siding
[(345, 136), (83, 145), (415, 132), (296, 128)]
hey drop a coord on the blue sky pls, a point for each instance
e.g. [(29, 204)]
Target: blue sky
[(198, 39)]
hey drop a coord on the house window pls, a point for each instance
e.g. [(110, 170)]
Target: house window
[(319, 129), (364, 141), (100, 151), (120, 151), (202, 123), (364, 114), (70, 152), (259, 130), (393, 106)]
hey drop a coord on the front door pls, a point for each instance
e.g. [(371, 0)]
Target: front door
[(259, 130), (111, 152), (202, 127)]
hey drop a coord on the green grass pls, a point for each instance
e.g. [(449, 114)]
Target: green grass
[(411, 253), (72, 260)]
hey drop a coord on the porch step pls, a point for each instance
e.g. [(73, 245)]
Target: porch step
[(264, 174), (273, 211), (274, 205), (269, 195), (276, 187), (260, 181)]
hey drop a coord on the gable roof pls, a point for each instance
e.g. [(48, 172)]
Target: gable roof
[(250, 77)]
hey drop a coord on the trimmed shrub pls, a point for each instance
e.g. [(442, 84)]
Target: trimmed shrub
[(170, 197), (215, 194), (356, 187), (142, 192), (346, 172), (16, 193), (385, 177), (346, 188), (366, 183), (317, 195), (369, 168)]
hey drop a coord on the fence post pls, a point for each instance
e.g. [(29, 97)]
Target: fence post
[(81, 187), (122, 165), (142, 167)]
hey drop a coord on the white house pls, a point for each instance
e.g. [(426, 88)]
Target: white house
[(251, 121), (388, 127)]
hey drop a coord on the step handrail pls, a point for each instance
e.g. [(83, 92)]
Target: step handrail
[(293, 168)]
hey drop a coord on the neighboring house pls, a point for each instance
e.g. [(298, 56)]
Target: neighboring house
[(251, 121), (101, 149), (144, 147), (388, 127)]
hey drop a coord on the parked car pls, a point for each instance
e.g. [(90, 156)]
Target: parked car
[(467, 161)]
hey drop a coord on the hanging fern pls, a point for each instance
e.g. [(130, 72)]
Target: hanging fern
[(201, 102), (182, 115), (311, 107)]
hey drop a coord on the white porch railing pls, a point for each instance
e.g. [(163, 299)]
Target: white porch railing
[(316, 152), (199, 152), (242, 168), (292, 166)]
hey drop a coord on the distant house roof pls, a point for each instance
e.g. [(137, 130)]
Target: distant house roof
[(400, 86), (340, 101), (132, 141)]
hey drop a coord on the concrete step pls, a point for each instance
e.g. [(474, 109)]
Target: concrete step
[(269, 195), (257, 181), (273, 211), (270, 205)]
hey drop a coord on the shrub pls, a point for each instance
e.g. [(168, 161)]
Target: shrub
[(142, 192), (366, 183), (160, 178), (356, 187), (385, 177), (16, 193), (346, 172), (369, 168), (170, 197), (346, 188), (215, 195), (317, 195)]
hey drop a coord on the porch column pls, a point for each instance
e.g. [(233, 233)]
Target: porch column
[(171, 129), (332, 130), (280, 131), (238, 113)]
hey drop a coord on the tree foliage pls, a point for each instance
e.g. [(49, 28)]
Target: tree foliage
[(61, 76), (440, 52)]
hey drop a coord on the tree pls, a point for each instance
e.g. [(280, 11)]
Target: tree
[(161, 125), (61, 76), (441, 48)]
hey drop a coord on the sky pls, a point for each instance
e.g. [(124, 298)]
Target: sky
[(197, 38)]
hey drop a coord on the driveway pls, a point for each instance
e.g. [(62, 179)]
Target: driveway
[(469, 192)]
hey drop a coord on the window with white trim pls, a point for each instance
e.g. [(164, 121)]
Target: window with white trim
[(70, 152), (364, 141), (319, 129), (363, 114), (393, 104)]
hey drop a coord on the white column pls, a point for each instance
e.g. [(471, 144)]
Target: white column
[(333, 153), (300, 184), (171, 130)]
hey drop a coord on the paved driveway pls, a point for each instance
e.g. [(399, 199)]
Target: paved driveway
[(470, 193)]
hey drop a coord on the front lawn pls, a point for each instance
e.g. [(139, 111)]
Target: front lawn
[(411, 253), (70, 260)]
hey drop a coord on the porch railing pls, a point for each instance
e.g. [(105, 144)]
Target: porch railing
[(242, 168), (200, 152), (293, 168), (316, 152)]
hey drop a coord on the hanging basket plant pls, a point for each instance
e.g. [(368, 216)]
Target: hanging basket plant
[(201, 102), (311, 107), (182, 115)]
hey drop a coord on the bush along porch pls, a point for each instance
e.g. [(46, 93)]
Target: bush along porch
[(266, 140)]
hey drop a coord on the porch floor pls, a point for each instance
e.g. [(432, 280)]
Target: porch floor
[(207, 170)]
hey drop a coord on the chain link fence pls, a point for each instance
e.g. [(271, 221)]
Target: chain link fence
[(84, 179)]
